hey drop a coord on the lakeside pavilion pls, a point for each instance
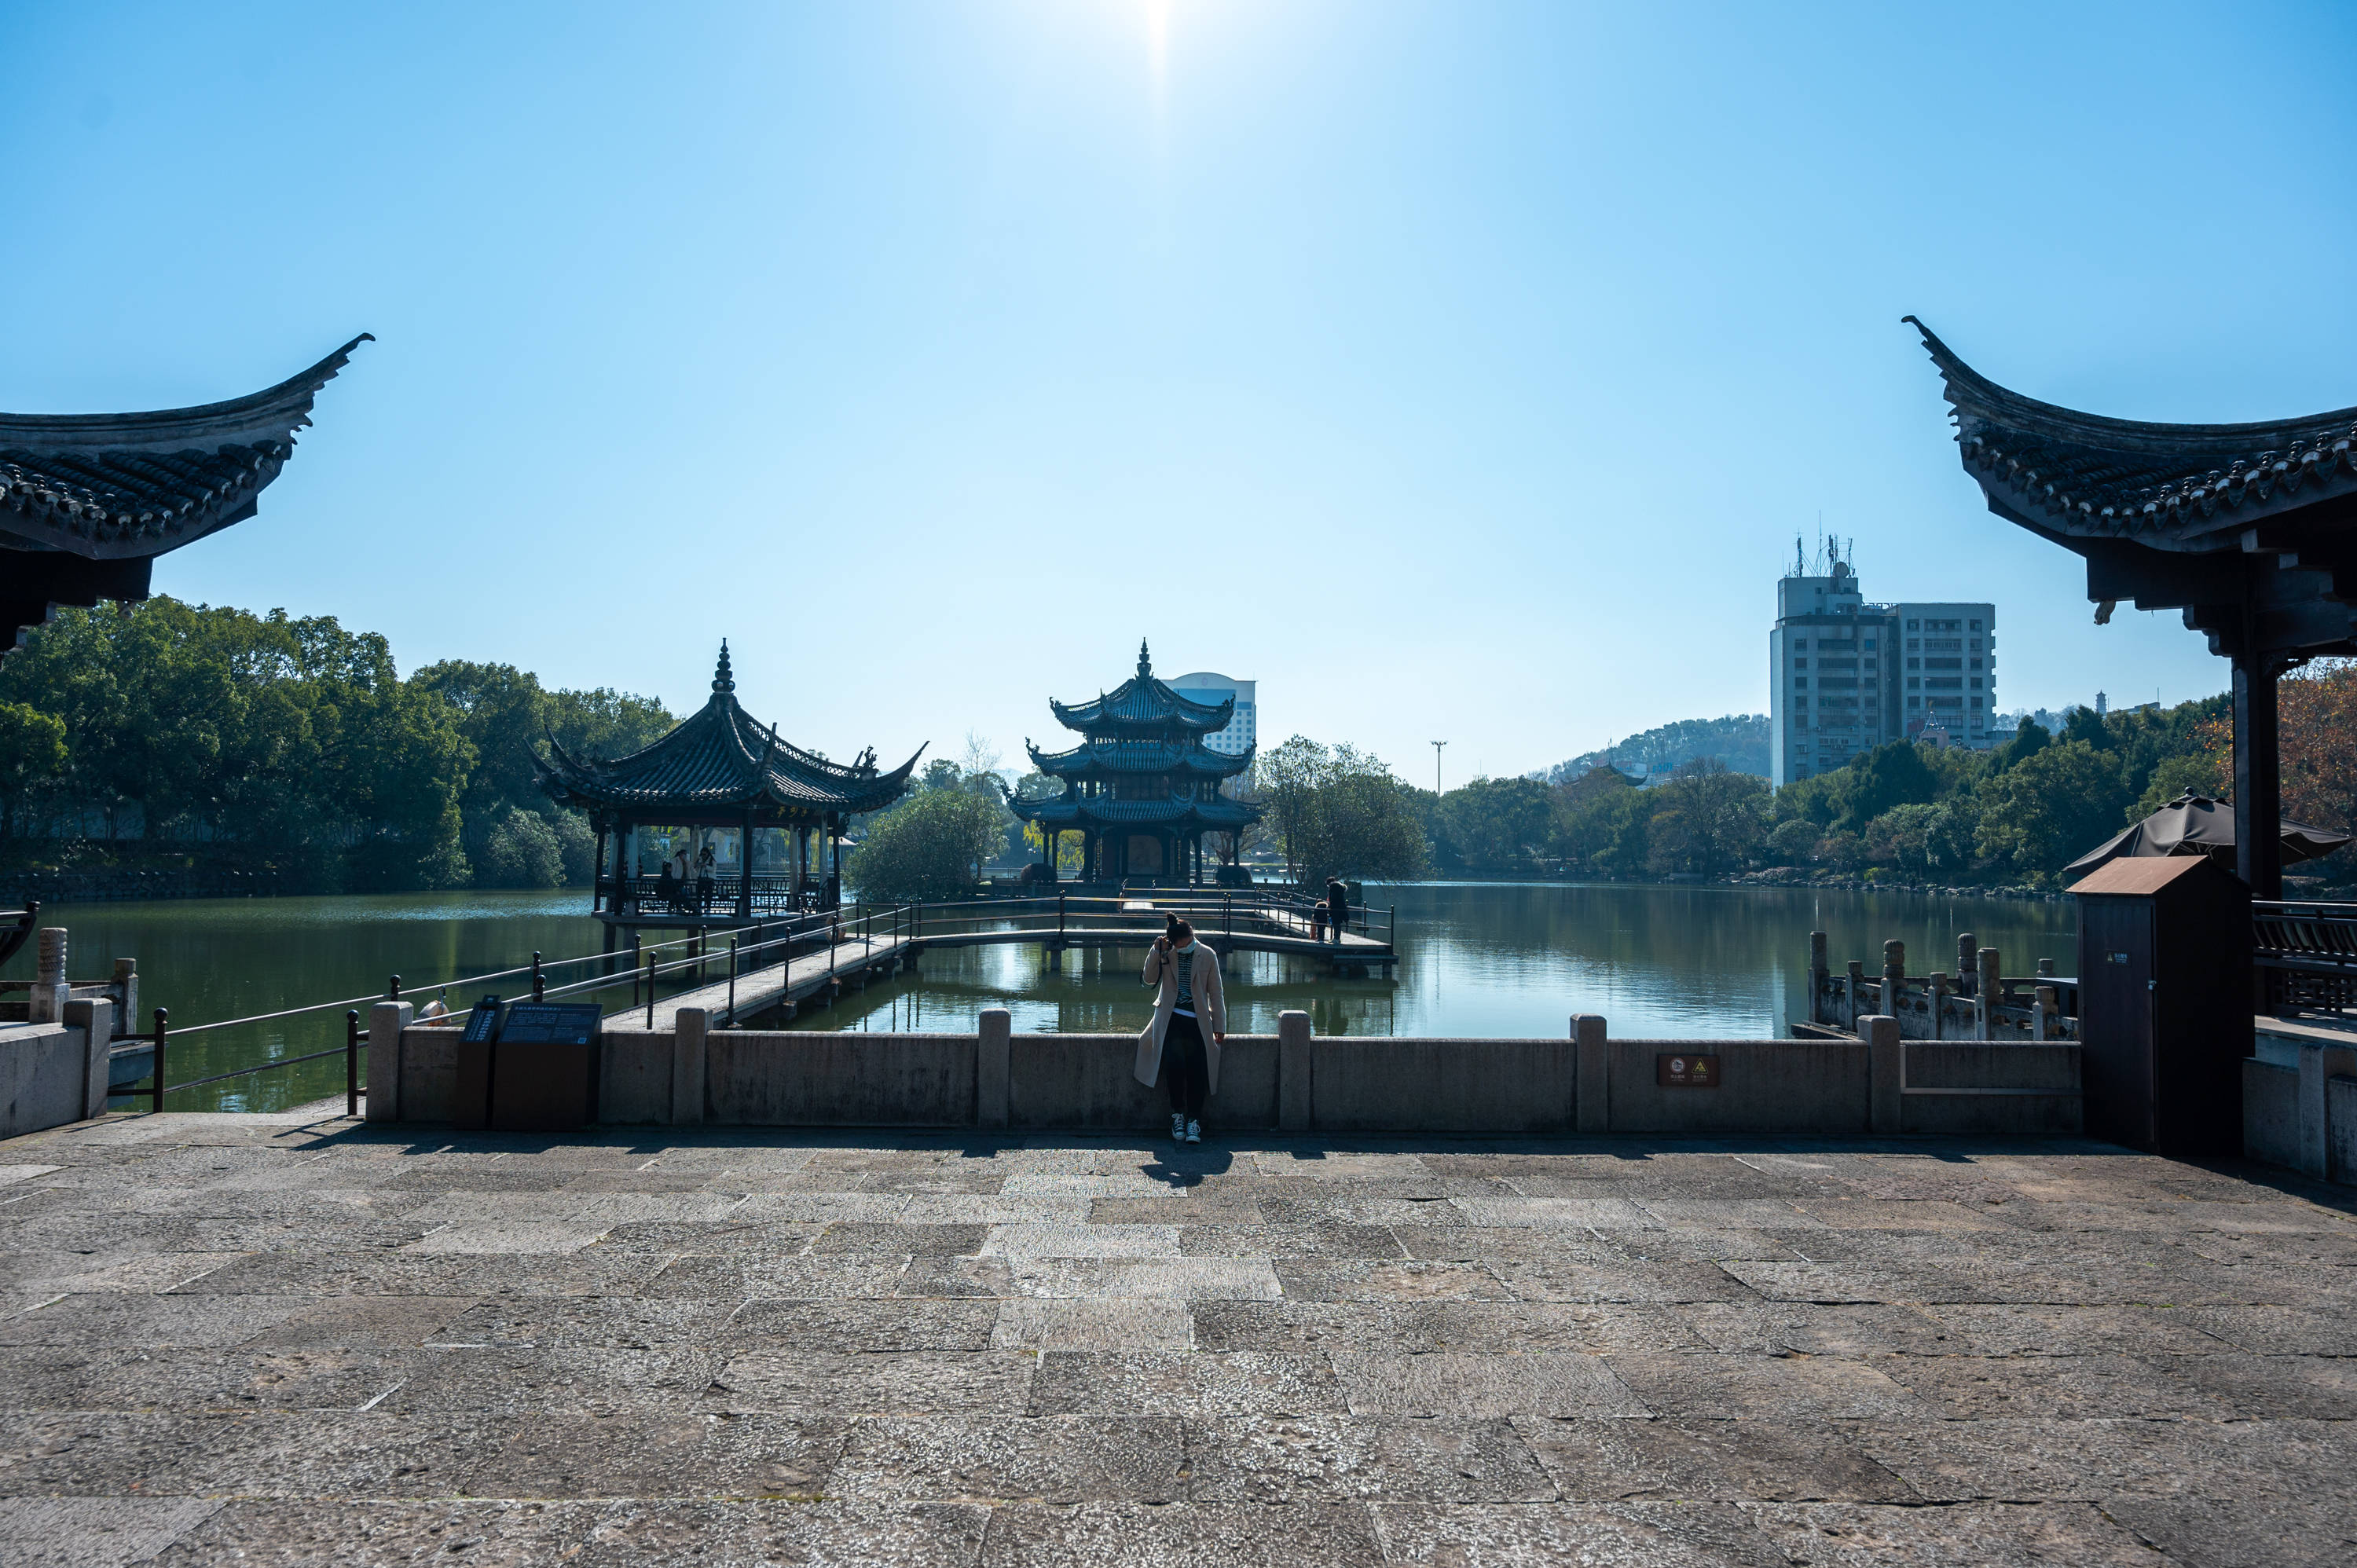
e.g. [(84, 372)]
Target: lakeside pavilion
[(719, 822), (88, 500), (1142, 787), (2250, 529)]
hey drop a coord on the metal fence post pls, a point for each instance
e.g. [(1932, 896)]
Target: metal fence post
[(1059, 914), (732, 979), (538, 984), (161, 1018), (651, 988), (353, 1061), (392, 988)]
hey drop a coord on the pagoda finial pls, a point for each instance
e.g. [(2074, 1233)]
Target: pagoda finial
[(1144, 663), (721, 679)]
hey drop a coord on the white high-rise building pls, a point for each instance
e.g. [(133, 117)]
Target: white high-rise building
[(1845, 676), (1243, 731)]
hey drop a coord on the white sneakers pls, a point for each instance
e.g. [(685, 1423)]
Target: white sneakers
[(1194, 1131), (1178, 1126)]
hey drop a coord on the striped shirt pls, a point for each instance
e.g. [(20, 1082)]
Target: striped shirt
[(1185, 958)]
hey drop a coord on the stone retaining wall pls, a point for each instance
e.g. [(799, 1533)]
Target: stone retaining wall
[(1290, 1081)]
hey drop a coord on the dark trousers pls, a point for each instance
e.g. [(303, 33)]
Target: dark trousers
[(1186, 1065)]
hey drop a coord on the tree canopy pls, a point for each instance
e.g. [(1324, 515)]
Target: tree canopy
[(165, 728)]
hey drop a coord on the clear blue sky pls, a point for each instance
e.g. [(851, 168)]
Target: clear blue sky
[(1457, 371)]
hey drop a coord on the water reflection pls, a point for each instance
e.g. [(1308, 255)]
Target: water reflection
[(1505, 959)]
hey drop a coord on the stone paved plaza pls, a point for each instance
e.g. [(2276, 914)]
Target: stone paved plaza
[(249, 1339)]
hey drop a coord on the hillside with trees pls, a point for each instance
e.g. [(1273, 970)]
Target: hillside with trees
[(1738, 740)]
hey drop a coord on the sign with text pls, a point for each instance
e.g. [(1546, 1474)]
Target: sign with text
[(1674, 1070)]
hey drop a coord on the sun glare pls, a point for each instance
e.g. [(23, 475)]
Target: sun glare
[(1157, 50)]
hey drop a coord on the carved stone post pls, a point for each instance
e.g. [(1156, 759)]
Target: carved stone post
[(1894, 975), (1992, 992), (50, 991), (1967, 963)]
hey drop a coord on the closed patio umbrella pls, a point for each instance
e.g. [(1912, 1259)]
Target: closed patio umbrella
[(2195, 824)]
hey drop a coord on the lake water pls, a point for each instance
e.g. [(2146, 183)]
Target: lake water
[(1496, 959)]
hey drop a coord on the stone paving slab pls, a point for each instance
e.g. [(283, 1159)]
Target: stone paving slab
[(296, 1338)]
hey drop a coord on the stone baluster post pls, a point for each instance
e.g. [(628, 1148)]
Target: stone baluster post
[(994, 1067), (1885, 1066), (1594, 1110), (1991, 993), (2041, 1014), (1936, 992), (1967, 963), (386, 1022), (1855, 986), (1894, 977), (50, 992), (1295, 1090)]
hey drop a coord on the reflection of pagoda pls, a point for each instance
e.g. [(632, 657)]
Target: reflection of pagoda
[(1141, 788)]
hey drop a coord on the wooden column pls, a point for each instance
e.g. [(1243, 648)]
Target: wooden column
[(2258, 778), (745, 868)]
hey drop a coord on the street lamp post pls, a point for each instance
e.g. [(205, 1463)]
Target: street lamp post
[(1435, 768)]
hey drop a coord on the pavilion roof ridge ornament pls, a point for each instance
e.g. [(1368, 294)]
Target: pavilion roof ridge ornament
[(1145, 662), (722, 680)]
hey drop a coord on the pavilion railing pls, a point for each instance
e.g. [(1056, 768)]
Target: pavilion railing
[(2306, 956), (771, 893)]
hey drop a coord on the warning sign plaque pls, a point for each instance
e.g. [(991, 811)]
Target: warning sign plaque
[(1675, 1070)]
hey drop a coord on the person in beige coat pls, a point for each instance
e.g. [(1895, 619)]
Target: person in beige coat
[(1191, 1023)]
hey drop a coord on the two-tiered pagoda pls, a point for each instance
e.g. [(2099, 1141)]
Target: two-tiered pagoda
[(1142, 787), (726, 777)]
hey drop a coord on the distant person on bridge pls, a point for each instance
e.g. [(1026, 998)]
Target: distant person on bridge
[(1338, 908), (1173, 1045)]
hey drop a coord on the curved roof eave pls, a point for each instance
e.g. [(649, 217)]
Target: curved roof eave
[(273, 414)]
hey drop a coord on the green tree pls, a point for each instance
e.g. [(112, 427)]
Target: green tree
[(1337, 811), (1495, 824), (522, 851), (1794, 842), (32, 753), (1706, 819), (930, 846), (1602, 825), (2046, 812)]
